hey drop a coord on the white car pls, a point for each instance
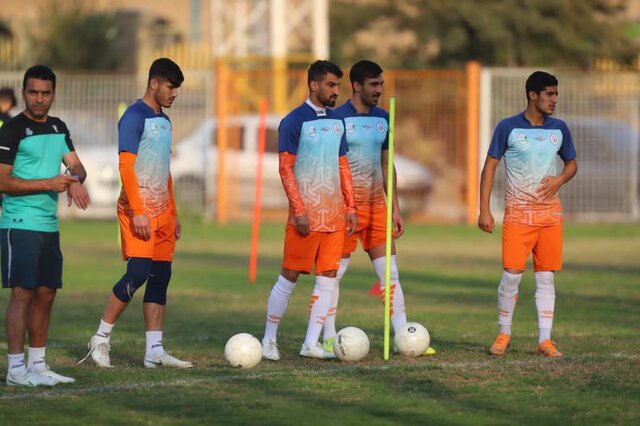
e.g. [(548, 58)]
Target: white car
[(194, 166)]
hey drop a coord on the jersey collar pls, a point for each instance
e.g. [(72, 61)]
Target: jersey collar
[(320, 111)]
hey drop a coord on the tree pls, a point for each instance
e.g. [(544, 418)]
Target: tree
[(419, 33), (69, 37)]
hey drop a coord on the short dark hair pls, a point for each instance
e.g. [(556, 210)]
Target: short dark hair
[(7, 93), (538, 81), (364, 69), (319, 69), (166, 69), (41, 72)]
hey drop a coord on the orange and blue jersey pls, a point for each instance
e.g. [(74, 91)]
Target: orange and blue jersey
[(147, 134), (530, 155), (316, 137), (367, 136)]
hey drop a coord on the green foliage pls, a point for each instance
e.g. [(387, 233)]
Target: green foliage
[(449, 275), (496, 32), (71, 37)]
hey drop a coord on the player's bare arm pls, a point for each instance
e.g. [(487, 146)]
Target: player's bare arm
[(76, 192), (485, 218), (10, 184), (396, 218), (549, 185)]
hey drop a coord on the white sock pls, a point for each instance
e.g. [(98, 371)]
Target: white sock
[(319, 307), (15, 365), (154, 344), (276, 306), (329, 329), (397, 309), (545, 302), (507, 297), (36, 361), (104, 329)]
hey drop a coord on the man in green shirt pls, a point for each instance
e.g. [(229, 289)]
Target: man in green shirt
[(32, 147)]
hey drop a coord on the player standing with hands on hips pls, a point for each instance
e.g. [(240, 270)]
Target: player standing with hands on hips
[(32, 147), (316, 178), (149, 226), (529, 143)]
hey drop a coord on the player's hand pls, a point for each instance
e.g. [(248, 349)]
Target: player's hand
[(178, 229), (398, 225), (352, 223), (60, 183), (142, 226), (549, 185), (302, 224), (486, 222), (77, 193)]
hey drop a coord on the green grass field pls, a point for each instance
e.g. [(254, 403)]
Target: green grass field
[(449, 275)]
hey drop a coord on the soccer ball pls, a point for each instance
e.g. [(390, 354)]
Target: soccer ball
[(243, 350), (351, 344), (412, 339)]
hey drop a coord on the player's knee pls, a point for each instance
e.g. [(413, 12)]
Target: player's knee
[(137, 273), (509, 284), (158, 283), (544, 283), (283, 287)]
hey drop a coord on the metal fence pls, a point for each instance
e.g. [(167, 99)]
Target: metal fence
[(602, 111)]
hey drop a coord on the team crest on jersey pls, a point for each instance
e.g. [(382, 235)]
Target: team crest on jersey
[(380, 127), (554, 139), (336, 129), (55, 128), (522, 139), (351, 127), (154, 128), (311, 131), (28, 131)]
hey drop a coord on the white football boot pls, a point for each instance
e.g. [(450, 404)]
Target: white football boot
[(270, 350), (30, 379), (316, 351), (166, 360)]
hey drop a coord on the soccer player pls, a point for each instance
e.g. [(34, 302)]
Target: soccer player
[(529, 143), (367, 130), (149, 225), (32, 147), (315, 175)]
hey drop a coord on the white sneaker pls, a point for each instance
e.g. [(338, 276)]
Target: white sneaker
[(99, 348), (30, 379), (59, 378), (166, 360), (270, 350), (316, 351)]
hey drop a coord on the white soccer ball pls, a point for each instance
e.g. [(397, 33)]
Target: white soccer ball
[(351, 344), (412, 339), (243, 350)]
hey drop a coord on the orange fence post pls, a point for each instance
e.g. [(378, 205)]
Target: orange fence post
[(255, 232), (473, 133), (222, 82)]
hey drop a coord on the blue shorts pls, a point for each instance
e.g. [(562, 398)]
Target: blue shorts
[(30, 259)]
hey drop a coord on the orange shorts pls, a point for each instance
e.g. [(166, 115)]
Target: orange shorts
[(160, 246), (372, 230), (319, 249), (518, 241)]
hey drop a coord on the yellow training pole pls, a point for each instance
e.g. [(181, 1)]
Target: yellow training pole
[(387, 272)]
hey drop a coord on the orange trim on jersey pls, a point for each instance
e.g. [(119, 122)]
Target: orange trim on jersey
[(347, 185), (287, 161), (129, 179)]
